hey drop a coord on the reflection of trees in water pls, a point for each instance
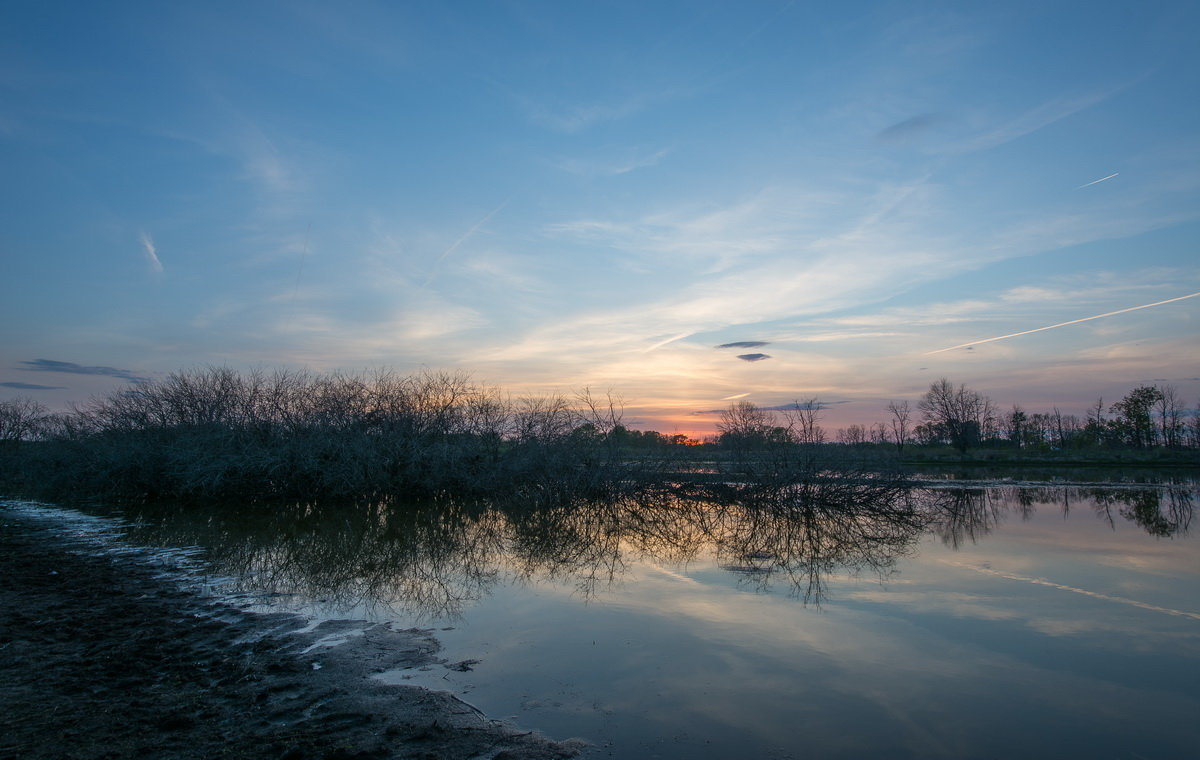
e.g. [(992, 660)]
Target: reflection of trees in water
[(591, 543), (965, 515), (1162, 513), (800, 532), (431, 560), (804, 532), (434, 559)]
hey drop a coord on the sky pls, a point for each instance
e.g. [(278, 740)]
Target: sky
[(551, 196)]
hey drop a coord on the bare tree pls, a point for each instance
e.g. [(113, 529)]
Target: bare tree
[(1016, 421), (1058, 428), (879, 433), (1096, 426), (962, 414), (744, 424), (604, 414), (853, 435), (900, 423), (803, 420), (1170, 416)]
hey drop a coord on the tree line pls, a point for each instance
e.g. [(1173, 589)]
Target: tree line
[(963, 418), (214, 431)]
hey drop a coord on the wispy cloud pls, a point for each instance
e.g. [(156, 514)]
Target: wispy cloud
[(32, 387), (1063, 324), (772, 220), (575, 117), (1036, 118), (151, 252), (820, 406), (50, 365), (911, 128), (745, 344)]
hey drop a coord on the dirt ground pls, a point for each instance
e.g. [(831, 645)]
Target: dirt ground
[(103, 657)]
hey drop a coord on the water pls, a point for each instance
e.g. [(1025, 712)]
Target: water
[(989, 621)]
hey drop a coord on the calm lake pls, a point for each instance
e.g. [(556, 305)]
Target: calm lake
[(984, 619)]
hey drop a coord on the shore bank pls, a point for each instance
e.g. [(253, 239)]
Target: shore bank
[(105, 656)]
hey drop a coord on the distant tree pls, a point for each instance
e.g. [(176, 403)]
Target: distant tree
[(1062, 428), (744, 425), (1170, 416), (963, 415), (585, 433), (1038, 430), (1134, 425), (803, 420), (1095, 430), (879, 433), (1017, 422), (900, 423), (853, 435), (929, 434)]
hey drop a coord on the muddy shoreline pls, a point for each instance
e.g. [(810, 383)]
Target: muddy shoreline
[(105, 656)]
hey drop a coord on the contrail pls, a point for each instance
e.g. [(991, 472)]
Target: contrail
[(1073, 589), (151, 252), (1098, 180), (739, 395), (662, 343), (1063, 324), (462, 240), (299, 271)]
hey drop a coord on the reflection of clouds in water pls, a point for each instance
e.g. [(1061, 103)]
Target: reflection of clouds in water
[(958, 604)]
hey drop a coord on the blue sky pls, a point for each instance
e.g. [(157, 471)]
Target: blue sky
[(557, 195)]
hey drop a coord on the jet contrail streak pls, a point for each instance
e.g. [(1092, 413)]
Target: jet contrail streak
[(1062, 324), (1089, 184), (662, 343), (1073, 589), (151, 252), (738, 395), (463, 239)]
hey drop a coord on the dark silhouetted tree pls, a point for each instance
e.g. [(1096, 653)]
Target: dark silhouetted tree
[(1134, 425), (961, 414)]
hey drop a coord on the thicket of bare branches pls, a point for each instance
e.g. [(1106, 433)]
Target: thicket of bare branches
[(21, 419), (215, 431)]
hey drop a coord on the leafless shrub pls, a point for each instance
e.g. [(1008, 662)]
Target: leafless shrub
[(21, 419)]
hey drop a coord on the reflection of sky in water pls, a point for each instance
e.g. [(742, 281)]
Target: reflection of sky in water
[(1049, 634), (940, 660)]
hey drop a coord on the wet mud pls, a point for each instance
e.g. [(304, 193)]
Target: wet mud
[(101, 656)]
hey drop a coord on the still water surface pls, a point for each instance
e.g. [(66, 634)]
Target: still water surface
[(981, 621)]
